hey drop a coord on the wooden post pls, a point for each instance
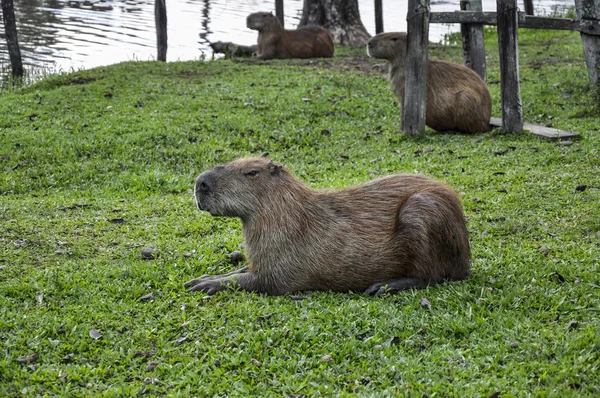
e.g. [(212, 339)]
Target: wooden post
[(279, 11), (416, 67), (589, 10), (10, 27), (378, 16), (512, 110), (160, 17), (528, 7), (473, 40)]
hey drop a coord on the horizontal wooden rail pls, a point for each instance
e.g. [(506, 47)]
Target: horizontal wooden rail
[(591, 27)]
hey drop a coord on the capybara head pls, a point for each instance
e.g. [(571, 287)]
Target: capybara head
[(238, 188), (261, 20), (387, 46)]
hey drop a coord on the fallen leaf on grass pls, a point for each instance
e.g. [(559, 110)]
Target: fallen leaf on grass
[(565, 143), (181, 339), (255, 362), (514, 344), (580, 188), (116, 220), (147, 354), (575, 386), (558, 276), (425, 303), (266, 316), (395, 341), (29, 359), (39, 298), (147, 297), (495, 395), (68, 357), (151, 365), (572, 324), (327, 358), (95, 334), (544, 251)]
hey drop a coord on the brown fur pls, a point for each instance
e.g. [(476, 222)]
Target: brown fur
[(275, 42), (399, 231), (457, 98)]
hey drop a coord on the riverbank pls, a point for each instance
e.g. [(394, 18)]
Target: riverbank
[(99, 164)]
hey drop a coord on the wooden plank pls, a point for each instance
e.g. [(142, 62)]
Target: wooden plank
[(160, 17), (378, 16), (279, 11), (512, 110), (528, 7), (473, 17), (589, 11), (416, 67), (473, 40), (10, 27), (591, 27), (541, 131)]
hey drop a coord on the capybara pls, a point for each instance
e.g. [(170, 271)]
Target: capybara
[(457, 98), (275, 42), (393, 233)]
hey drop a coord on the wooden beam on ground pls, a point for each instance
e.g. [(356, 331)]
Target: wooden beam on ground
[(473, 40), (512, 109), (541, 131), (591, 27), (589, 11), (416, 67), (10, 27), (160, 17), (378, 16), (279, 11)]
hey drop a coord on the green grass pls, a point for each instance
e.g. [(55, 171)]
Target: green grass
[(126, 142)]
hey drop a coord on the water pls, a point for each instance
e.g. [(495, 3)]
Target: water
[(65, 35)]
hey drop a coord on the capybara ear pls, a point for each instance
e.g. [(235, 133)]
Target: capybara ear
[(274, 168), (271, 12), (264, 155)]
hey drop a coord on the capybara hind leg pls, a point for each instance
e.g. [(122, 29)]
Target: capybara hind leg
[(194, 282), (396, 285)]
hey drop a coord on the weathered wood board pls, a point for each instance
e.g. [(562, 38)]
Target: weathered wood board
[(540, 131)]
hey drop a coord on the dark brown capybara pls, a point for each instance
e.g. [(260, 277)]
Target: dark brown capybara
[(457, 98), (393, 233), (275, 42)]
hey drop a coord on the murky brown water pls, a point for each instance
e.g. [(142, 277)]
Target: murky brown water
[(65, 35)]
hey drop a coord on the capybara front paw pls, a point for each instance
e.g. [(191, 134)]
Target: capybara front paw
[(209, 286)]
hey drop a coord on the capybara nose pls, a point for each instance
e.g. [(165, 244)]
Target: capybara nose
[(204, 183), (202, 187)]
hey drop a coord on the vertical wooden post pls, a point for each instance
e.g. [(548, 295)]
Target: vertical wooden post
[(512, 110), (528, 7), (10, 29), (590, 10), (378, 16), (279, 11), (473, 40), (416, 67), (160, 17)]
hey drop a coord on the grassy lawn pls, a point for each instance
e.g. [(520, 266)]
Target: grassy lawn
[(97, 165)]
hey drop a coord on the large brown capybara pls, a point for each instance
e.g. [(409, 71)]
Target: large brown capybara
[(393, 233), (275, 42), (457, 98)]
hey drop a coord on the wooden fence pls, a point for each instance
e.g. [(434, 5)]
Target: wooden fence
[(508, 19)]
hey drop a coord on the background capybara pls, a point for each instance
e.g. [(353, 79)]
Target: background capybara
[(457, 98), (275, 42), (389, 234)]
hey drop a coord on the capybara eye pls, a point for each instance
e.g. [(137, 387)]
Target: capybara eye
[(251, 173)]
